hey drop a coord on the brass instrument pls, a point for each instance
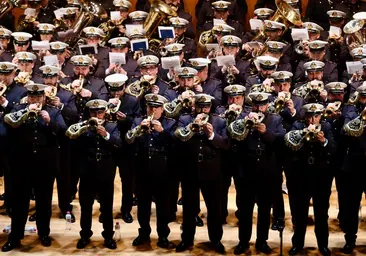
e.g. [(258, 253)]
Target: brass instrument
[(300, 47), (60, 24), (75, 130), (206, 37), (294, 139), (172, 109), (232, 113), (311, 132), (253, 119), (88, 11), (3, 88), (32, 114), (25, 23), (281, 100), (75, 90), (354, 34), (331, 109), (112, 108), (158, 12), (355, 127), (197, 124), (147, 128), (51, 93), (15, 119), (240, 129), (230, 77), (108, 28), (139, 87), (7, 5), (23, 78), (353, 99)]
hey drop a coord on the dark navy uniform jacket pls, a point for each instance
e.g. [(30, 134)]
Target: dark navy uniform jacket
[(242, 66), (201, 156), (14, 93), (130, 67), (330, 73), (69, 110), (154, 149), (236, 25)]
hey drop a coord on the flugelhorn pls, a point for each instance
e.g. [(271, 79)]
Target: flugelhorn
[(148, 128), (185, 100), (199, 122), (281, 100), (75, 130), (311, 132), (331, 109), (32, 114), (253, 119), (232, 113), (356, 127)]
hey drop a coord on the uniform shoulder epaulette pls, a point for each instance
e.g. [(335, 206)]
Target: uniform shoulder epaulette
[(169, 118), (217, 115)]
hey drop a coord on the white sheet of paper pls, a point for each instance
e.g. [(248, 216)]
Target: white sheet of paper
[(170, 62), (256, 24), (58, 13), (30, 12), (209, 47), (131, 27), (51, 60), (217, 22), (354, 67), (299, 34), (335, 31), (115, 15), (86, 45), (117, 58), (225, 60), (40, 45)]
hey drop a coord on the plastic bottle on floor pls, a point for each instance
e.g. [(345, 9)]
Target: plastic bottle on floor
[(68, 221), (117, 232)]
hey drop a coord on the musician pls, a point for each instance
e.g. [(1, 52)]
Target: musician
[(11, 96), (97, 171), (266, 66), (310, 175), (336, 18), (60, 50), (130, 68), (313, 89), (46, 32), (208, 11), (180, 29), (207, 85), (235, 97), (358, 79), (261, 14), (123, 7), (254, 176), (231, 46), (34, 137), (200, 170), (6, 51), (69, 15), (26, 62), (128, 110), (275, 49), (220, 11), (173, 49), (137, 17), (21, 41), (152, 137), (185, 82), (354, 186), (317, 51)]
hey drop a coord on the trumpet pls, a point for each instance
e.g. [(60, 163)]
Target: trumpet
[(253, 119), (281, 100), (32, 114), (22, 78), (301, 47), (232, 113), (93, 122), (230, 77), (311, 132), (198, 123), (148, 128), (331, 109), (3, 88)]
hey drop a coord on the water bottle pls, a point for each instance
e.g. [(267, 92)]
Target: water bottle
[(68, 220), (27, 229), (117, 232)]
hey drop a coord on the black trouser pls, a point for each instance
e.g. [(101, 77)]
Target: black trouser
[(148, 186), (173, 193), (211, 191), (42, 181), (63, 182), (226, 183), (311, 182), (128, 188), (97, 177), (278, 203), (254, 189), (74, 169), (8, 185), (354, 183)]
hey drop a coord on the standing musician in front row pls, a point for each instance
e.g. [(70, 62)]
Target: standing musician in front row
[(34, 128), (97, 140), (152, 137)]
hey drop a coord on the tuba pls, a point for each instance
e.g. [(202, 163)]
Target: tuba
[(7, 5), (354, 34)]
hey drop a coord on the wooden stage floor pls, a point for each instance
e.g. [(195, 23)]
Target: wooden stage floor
[(64, 242)]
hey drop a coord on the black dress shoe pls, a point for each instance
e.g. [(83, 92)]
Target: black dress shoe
[(10, 245), (263, 247), (163, 243), (295, 250), (183, 245), (348, 248), (180, 201), (110, 244), (100, 218), (278, 224), (82, 243), (2, 197), (325, 251), (219, 247), (45, 241), (199, 221), (241, 248), (140, 240), (33, 217), (134, 201), (127, 217)]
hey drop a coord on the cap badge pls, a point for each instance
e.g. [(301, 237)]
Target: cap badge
[(21, 38), (234, 89), (68, 11), (45, 27), (185, 71), (334, 14), (56, 46), (313, 108), (4, 67), (195, 63), (268, 24), (275, 46), (175, 48), (115, 84), (259, 97), (95, 104), (222, 5), (24, 56), (92, 30), (135, 31), (176, 21), (154, 98), (202, 99), (148, 59), (35, 88), (313, 65), (47, 70), (315, 45), (281, 75), (262, 12), (137, 15), (360, 51), (2, 32), (338, 86), (230, 39), (219, 28), (267, 63), (80, 59)]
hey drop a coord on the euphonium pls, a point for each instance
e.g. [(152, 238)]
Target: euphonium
[(22, 78), (25, 23), (108, 28), (7, 5), (60, 24), (148, 128), (3, 88), (197, 124)]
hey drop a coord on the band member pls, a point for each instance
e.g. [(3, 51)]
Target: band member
[(256, 143), (153, 138), (97, 139), (124, 108), (138, 17), (317, 52), (60, 50), (202, 137), (261, 14), (185, 82), (173, 49), (46, 32), (21, 41), (34, 129), (93, 38), (311, 143), (5, 46), (354, 186), (235, 97), (275, 49), (26, 62), (180, 29), (336, 18), (130, 68)]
